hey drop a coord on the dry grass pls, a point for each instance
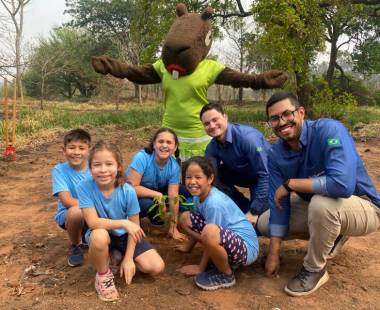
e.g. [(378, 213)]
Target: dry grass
[(40, 126)]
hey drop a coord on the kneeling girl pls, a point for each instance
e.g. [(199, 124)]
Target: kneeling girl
[(154, 173), (111, 211), (228, 238)]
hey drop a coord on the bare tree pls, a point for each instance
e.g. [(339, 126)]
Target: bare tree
[(47, 61), (5, 63), (15, 9)]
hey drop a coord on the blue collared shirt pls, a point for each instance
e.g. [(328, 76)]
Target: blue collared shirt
[(244, 153), (328, 155)]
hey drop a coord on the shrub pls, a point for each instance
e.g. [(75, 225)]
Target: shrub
[(327, 104)]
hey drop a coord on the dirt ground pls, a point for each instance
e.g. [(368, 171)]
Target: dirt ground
[(34, 273)]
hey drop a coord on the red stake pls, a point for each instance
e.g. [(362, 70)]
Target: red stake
[(9, 148)]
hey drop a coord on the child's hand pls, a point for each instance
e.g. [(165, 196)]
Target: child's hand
[(190, 270), (176, 235), (135, 231), (252, 218), (128, 270), (159, 197)]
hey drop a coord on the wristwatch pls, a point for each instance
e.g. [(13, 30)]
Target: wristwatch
[(286, 185)]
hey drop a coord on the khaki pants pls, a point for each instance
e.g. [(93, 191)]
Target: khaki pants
[(322, 220)]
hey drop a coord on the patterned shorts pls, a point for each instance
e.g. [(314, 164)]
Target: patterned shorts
[(232, 242)]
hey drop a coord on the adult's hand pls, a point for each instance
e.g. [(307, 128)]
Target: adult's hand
[(280, 193), (272, 265)]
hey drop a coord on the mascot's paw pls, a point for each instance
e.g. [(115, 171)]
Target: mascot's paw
[(101, 64), (272, 79)]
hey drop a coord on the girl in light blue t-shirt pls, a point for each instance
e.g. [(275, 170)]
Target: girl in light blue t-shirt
[(228, 238), (111, 211), (154, 173)]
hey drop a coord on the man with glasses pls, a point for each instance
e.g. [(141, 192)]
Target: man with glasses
[(318, 162), (240, 155)]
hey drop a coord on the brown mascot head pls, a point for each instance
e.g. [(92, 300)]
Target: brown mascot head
[(188, 41)]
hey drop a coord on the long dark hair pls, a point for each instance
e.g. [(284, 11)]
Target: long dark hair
[(149, 149), (112, 148)]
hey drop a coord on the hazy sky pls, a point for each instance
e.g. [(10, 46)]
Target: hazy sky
[(42, 15)]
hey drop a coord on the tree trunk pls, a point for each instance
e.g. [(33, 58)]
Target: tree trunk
[(303, 91), (332, 62), (219, 93), (140, 95), (42, 93), (136, 91), (240, 95), (241, 70), (15, 9)]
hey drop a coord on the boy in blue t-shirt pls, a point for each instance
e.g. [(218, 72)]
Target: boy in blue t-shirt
[(65, 178)]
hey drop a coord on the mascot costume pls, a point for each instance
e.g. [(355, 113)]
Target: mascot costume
[(185, 74)]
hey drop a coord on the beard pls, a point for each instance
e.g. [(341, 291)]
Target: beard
[(294, 136)]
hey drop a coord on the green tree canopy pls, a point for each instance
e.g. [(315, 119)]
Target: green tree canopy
[(62, 63), (292, 33)]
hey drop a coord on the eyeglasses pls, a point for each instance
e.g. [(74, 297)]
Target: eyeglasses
[(286, 116)]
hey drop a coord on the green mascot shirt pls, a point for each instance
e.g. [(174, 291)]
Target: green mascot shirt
[(184, 99)]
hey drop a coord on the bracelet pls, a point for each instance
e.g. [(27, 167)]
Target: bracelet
[(286, 185)]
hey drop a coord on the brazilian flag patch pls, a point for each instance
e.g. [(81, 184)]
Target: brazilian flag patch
[(259, 149), (333, 141)]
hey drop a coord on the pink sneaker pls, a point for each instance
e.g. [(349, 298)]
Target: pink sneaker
[(105, 287)]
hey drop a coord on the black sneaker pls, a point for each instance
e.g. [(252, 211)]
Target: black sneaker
[(306, 282), (338, 244), (75, 256)]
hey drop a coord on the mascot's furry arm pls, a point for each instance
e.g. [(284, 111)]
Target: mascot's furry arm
[(146, 74), (186, 45), (267, 79)]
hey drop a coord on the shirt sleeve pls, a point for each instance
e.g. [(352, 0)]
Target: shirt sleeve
[(59, 183), (340, 161), (133, 206), (174, 177), (279, 218), (213, 215), (158, 67), (85, 195), (139, 162), (257, 155), (196, 204), (212, 154), (214, 69)]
